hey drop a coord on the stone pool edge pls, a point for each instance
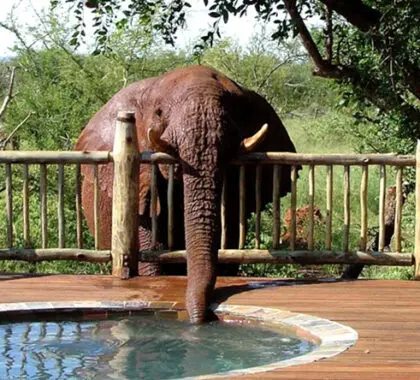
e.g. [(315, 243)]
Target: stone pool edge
[(332, 338)]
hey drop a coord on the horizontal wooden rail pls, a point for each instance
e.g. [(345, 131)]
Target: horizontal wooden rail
[(300, 159), (254, 256), (50, 254), (325, 159), (56, 157), (243, 256), (53, 157)]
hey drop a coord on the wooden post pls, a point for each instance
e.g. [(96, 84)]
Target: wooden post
[(223, 243), (9, 205), (258, 207), (311, 207), (153, 204), (43, 191), (60, 206), (398, 209), (25, 206), (417, 230), (242, 221), (96, 196), (382, 195), (363, 208), (79, 232), (276, 206), (293, 175), (329, 206), (125, 204), (346, 208), (170, 196)]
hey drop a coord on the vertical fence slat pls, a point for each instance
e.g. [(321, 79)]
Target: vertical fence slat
[(79, 232), (242, 222), (25, 207), (9, 205), (96, 196), (346, 208), (223, 214), (258, 206), (170, 206), (293, 208), (154, 196), (328, 238), (276, 206), (311, 207), (398, 209), (60, 206), (382, 194), (363, 208), (43, 191), (417, 230)]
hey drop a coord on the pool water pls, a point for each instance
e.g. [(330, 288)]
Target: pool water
[(137, 347)]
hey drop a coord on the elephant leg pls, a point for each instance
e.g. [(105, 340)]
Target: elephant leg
[(352, 272), (145, 244)]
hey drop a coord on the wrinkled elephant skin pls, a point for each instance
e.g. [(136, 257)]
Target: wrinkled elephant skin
[(202, 117)]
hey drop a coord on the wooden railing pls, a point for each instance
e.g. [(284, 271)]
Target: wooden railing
[(124, 251), (44, 158)]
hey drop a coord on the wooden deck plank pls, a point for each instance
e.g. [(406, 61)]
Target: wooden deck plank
[(386, 314)]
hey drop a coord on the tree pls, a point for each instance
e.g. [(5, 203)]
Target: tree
[(371, 47)]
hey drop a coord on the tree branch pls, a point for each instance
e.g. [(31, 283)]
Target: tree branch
[(9, 95), (355, 12), (269, 74), (322, 67), (329, 35), (3, 143)]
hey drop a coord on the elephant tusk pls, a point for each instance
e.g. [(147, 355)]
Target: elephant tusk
[(250, 143), (158, 144)]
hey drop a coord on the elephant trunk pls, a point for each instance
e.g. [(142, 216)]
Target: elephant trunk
[(201, 203)]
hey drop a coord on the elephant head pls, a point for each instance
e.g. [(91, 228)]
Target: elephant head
[(204, 119)]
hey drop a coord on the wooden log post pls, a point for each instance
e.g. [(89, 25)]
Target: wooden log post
[(398, 209), (417, 229), (258, 175), (382, 195), (9, 205), (79, 231), (25, 206), (242, 216), (276, 206), (346, 233), (293, 175), (125, 204), (170, 196), (328, 238)]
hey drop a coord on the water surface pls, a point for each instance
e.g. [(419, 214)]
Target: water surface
[(137, 347)]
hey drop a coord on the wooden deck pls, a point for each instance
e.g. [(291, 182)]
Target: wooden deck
[(386, 314)]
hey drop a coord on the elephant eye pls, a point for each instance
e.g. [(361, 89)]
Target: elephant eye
[(158, 112)]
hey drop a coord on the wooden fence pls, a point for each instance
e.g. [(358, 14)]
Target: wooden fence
[(124, 252)]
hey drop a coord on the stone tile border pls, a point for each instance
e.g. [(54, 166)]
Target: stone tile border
[(331, 337)]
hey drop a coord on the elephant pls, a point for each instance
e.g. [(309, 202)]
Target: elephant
[(203, 119)]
